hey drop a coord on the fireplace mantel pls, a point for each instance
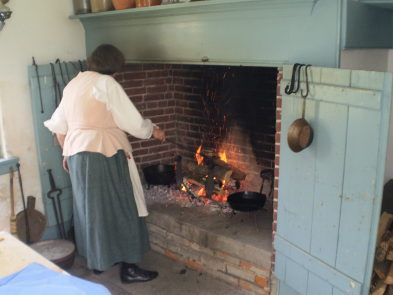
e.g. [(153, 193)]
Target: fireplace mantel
[(241, 32)]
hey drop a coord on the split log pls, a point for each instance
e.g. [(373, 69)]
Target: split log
[(382, 269), (384, 225), (389, 255), (380, 288), (383, 247), (199, 171), (389, 276), (389, 290), (199, 184)]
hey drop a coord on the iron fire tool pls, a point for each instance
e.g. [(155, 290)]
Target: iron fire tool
[(39, 84), (54, 194), (24, 205)]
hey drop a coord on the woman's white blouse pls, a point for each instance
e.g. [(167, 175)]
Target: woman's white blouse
[(94, 115)]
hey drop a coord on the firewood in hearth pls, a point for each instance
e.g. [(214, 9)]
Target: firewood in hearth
[(389, 277), (200, 171), (384, 225), (380, 288), (389, 255), (383, 246), (237, 174), (389, 290), (382, 269), (199, 184)]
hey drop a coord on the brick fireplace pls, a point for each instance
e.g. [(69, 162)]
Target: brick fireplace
[(190, 102)]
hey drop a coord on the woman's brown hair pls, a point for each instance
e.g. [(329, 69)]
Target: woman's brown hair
[(106, 59)]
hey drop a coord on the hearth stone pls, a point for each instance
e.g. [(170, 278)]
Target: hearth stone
[(234, 248)]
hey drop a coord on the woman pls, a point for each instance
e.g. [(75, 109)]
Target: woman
[(90, 124)]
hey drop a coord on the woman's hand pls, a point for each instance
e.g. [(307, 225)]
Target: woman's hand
[(65, 165), (159, 134)]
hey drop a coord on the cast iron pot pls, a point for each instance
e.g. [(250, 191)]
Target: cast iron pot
[(251, 201), (246, 201), (160, 174)]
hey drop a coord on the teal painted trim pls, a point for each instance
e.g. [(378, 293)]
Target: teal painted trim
[(379, 3), (199, 7), (383, 137), (367, 26), (242, 33), (8, 163)]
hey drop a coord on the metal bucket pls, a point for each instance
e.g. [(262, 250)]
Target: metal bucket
[(82, 6), (101, 5)]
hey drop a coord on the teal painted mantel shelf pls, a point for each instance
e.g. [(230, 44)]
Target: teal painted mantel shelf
[(197, 7), (241, 32)]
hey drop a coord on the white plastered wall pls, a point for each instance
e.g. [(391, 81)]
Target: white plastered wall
[(38, 28), (380, 60)]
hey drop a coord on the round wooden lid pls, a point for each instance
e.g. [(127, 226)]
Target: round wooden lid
[(54, 250)]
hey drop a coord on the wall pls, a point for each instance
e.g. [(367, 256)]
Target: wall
[(380, 60), (41, 29)]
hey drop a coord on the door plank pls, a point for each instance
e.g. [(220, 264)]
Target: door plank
[(330, 141), (331, 275), (359, 191), (316, 285), (341, 95), (296, 196)]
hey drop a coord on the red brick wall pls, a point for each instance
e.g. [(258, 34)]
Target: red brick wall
[(151, 90)]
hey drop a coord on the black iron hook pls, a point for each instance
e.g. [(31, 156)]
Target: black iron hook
[(307, 83), (289, 88), (298, 72)]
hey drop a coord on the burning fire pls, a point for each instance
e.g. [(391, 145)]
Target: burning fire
[(201, 192), (223, 156), (198, 156), (222, 197)]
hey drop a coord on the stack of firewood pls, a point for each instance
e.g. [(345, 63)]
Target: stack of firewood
[(382, 281)]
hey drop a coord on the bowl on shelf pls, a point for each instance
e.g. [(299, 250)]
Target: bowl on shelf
[(123, 4), (146, 3), (101, 5)]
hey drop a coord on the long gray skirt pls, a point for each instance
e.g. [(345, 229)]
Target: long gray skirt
[(107, 226)]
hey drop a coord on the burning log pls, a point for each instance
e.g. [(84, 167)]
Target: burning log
[(200, 171)]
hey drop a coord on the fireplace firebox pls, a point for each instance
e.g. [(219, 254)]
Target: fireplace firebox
[(222, 122)]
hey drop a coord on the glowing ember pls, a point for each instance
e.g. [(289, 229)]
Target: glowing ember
[(223, 156), (201, 192), (198, 156)]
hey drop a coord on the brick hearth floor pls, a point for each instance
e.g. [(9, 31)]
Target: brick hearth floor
[(174, 279), (234, 248)]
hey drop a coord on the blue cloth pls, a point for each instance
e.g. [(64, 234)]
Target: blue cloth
[(36, 279)]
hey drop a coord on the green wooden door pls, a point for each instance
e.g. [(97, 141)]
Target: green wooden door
[(49, 152), (330, 194)]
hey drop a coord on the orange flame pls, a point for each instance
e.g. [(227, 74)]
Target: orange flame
[(201, 192), (198, 156), (223, 156), (183, 188)]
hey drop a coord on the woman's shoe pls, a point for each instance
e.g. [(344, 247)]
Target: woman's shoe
[(131, 273), (97, 272)]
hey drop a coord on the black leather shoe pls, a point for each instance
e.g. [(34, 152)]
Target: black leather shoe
[(131, 273)]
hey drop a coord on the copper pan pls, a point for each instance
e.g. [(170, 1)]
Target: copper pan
[(300, 133)]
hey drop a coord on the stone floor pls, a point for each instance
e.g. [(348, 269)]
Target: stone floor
[(174, 279)]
